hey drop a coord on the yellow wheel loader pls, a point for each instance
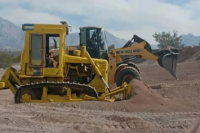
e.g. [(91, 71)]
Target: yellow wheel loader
[(74, 78), (123, 69)]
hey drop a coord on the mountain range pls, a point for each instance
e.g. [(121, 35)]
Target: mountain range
[(12, 37)]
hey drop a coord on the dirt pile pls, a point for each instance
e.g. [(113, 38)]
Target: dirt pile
[(142, 94), (189, 54), (143, 99)]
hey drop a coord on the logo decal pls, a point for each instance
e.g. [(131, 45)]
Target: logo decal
[(129, 51)]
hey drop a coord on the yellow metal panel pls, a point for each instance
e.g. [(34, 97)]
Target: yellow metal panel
[(29, 71), (77, 59), (54, 72), (25, 76), (36, 62), (2, 85), (51, 28)]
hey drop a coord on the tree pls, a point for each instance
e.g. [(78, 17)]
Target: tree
[(111, 47), (167, 39)]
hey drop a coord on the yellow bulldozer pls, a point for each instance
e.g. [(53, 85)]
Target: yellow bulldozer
[(76, 77), (122, 69)]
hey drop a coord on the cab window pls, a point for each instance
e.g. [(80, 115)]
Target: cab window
[(36, 50)]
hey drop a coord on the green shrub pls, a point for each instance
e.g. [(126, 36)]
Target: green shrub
[(7, 60)]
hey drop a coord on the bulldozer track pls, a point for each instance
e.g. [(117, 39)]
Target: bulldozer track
[(173, 83), (72, 85)]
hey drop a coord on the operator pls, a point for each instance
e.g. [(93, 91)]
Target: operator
[(49, 62), (92, 41), (92, 45), (94, 38)]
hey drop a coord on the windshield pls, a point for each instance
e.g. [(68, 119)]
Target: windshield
[(103, 44), (36, 44), (95, 41), (103, 41)]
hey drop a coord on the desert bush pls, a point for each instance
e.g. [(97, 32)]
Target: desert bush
[(7, 60)]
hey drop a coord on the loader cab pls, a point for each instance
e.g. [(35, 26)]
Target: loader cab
[(95, 40)]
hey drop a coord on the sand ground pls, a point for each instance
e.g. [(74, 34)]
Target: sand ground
[(160, 104)]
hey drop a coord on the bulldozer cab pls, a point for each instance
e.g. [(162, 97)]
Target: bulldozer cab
[(95, 40), (36, 58)]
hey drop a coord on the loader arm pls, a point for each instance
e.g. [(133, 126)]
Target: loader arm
[(137, 50), (166, 58)]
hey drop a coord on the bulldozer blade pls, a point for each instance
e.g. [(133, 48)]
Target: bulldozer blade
[(168, 60)]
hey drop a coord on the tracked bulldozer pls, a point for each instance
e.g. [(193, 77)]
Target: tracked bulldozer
[(123, 69), (76, 77)]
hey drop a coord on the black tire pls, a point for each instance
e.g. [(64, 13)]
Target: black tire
[(134, 65), (126, 75)]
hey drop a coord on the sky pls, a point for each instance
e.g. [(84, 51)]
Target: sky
[(122, 18)]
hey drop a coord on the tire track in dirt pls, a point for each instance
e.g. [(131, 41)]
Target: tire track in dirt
[(10, 129), (106, 120), (196, 128), (159, 85), (22, 109), (128, 125)]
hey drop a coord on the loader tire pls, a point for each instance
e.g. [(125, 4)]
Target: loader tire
[(134, 65), (126, 75)]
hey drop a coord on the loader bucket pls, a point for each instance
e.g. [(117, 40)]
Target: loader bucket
[(168, 60)]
